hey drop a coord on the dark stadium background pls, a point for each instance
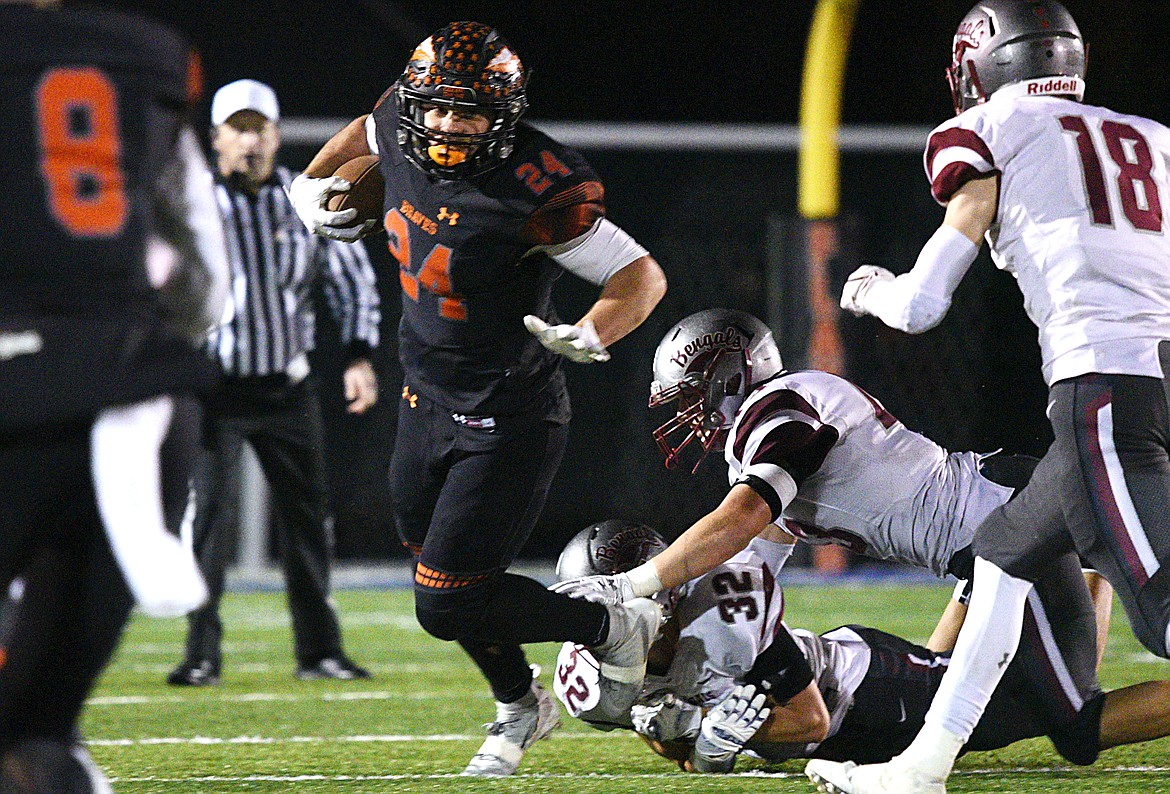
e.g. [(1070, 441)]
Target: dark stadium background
[(973, 383)]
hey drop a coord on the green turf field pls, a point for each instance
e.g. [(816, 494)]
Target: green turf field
[(417, 722)]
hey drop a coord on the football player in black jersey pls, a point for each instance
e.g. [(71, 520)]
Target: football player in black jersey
[(483, 212), (111, 263)]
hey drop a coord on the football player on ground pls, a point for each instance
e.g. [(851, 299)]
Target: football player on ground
[(853, 692), (483, 212), (815, 456), (1071, 198), (112, 263)]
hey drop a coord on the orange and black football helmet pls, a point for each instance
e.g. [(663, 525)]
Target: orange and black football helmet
[(466, 66)]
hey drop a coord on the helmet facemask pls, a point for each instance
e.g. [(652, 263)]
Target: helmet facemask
[(708, 400), (453, 155)]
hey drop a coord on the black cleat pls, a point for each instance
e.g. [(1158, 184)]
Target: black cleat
[(194, 674), (340, 667)]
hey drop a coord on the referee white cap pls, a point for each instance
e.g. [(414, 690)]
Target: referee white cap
[(244, 95)]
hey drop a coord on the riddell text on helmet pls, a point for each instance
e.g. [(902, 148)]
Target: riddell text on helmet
[(1053, 85)]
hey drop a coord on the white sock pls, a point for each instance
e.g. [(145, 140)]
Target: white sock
[(986, 645), (932, 753)]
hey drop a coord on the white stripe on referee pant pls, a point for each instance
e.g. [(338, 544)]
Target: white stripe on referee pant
[(1052, 650), (160, 571), (1129, 516)]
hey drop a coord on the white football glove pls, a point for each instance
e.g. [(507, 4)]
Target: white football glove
[(670, 720), (611, 590), (858, 283), (309, 196), (727, 728), (576, 343)]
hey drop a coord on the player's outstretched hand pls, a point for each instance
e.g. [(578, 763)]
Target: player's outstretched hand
[(859, 281), (612, 590), (578, 343), (727, 728), (309, 195)]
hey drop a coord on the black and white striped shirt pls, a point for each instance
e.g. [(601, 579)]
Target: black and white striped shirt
[(275, 263)]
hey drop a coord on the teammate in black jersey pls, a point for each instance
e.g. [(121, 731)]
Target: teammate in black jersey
[(482, 213), (107, 199)]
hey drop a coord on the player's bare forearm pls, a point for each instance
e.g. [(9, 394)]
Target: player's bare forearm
[(804, 718), (627, 299), (714, 538), (947, 631), (347, 144), (1136, 713), (972, 209)]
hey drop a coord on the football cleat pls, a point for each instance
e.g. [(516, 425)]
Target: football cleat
[(341, 668), (36, 765), (517, 727), (832, 777), (204, 673)]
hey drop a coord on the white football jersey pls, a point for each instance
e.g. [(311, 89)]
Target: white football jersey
[(1082, 222), (861, 478), (726, 619)]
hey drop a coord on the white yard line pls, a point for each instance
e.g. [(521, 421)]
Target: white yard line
[(361, 739), (281, 667), (562, 776), (261, 697)]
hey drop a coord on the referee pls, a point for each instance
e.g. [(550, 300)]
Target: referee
[(267, 395)]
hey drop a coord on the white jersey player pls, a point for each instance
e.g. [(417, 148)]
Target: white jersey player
[(816, 456), (866, 481), (1072, 199), (848, 693)]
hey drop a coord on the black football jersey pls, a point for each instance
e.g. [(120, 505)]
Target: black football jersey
[(90, 105), (466, 284)]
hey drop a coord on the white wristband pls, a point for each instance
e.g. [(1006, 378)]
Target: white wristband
[(644, 579)]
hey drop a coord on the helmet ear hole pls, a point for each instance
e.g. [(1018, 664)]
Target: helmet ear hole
[(733, 385)]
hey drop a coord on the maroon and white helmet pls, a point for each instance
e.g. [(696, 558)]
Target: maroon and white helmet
[(709, 362), (1003, 42)]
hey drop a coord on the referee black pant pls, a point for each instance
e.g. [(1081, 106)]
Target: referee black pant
[(282, 422)]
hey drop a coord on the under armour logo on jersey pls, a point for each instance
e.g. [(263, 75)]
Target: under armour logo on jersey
[(451, 217), (412, 399), (1007, 657)]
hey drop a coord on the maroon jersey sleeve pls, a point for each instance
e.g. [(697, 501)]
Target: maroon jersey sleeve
[(780, 430), (954, 156)]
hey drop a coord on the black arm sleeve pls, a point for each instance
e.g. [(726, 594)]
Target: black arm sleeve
[(781, 670)]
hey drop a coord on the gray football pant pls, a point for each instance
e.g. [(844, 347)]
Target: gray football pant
[(1102, 489)]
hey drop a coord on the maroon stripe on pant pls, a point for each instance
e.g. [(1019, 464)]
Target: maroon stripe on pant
[(1101, 490)]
